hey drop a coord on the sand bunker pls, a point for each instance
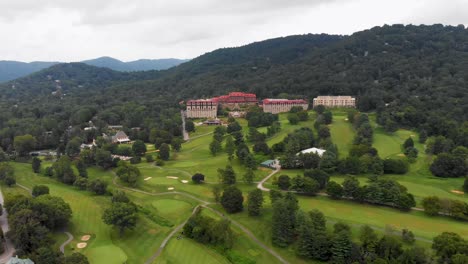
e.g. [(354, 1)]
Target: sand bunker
[(401, 155), (172, 177), (81, 245), (85, 238), (147, 178), (184, 181), (346, 119), (170, 188), (457, 192)]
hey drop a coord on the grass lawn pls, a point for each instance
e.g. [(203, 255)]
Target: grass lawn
[(189, 251), (105, 245), (342, 133)]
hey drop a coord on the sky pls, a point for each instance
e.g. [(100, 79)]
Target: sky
[(74, 30)]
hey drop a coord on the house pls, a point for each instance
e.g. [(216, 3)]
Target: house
[(312, 150), (271, 164), (16, 260), (120, 137), (213, 122)]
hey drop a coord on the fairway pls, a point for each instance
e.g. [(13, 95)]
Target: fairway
[(342, 133)]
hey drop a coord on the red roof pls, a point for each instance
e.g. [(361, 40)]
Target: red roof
[(284, 101)]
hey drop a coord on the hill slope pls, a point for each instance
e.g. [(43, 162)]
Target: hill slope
[(10, 70), (414, 76)]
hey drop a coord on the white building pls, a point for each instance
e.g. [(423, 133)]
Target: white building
[(276, 106), (202, 108), (312, 150), (335, 101)]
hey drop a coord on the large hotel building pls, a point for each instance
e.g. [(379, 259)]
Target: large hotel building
[(276, 106), (208, 108), (202, 108), (335, 101)]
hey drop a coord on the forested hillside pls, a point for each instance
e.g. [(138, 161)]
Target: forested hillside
[(413, 76)]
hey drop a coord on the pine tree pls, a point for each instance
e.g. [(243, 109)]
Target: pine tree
[(36, 165), (255, 202), (230, 147), (249, 176), (341, 247)]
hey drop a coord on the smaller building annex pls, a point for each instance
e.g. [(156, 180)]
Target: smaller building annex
[(312, 150)]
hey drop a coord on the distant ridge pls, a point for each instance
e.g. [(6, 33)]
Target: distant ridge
[(10, 70)]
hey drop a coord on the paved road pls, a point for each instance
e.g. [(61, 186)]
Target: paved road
[(70, 238), (184, 131), (9, 247), (260, 184), (166, 240)]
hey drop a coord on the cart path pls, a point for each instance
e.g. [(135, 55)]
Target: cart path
[(70, 238)]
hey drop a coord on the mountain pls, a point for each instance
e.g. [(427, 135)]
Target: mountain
[(411, 76), (10, 70), (138, 65)]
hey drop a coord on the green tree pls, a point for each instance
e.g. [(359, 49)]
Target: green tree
[(36, 165), (76, 258), (327, 117), (284, 182), (81, 167), (283, 223), (217, 190), (275, 196), (319, 175), (24, 144), (448, 244), (128, 173), (465, 185), (139, 148), (121, 215), (249, 176), (254, 202), (341, 247), (351, 187), (164, 151), (103, 158), (120, 197), (293, 118), (176, 144), (215, 147), (432, 205), (230, 147), (227, 175), (54, 211), (198, 178), (72, 148), (232, 199), (63, 170), (409, 143), (26, 231), (189, 126), (368, 239), (335, 190), (97, 186), (40, 190)]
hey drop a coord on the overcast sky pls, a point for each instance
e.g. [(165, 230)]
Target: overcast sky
[(73, 30)]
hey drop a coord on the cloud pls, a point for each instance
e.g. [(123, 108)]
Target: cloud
[(72, 30)]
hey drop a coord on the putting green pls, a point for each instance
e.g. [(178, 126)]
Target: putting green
[(172, 209), (106, 254)]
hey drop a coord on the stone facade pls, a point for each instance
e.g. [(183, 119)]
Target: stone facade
[(276, 106), (335, 101), (202, 108)]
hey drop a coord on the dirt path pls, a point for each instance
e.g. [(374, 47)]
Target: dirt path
[(260, 184), (64, 244)]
